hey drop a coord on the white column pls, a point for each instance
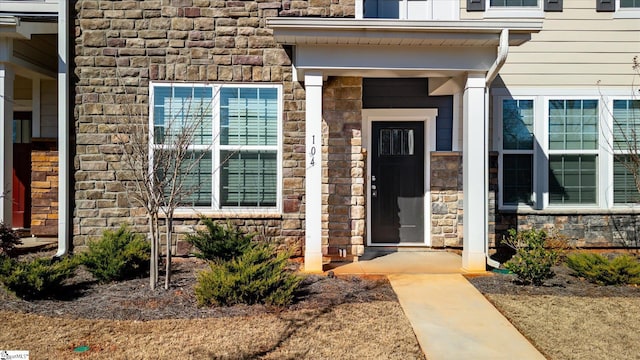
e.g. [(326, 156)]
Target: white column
[(313, 174), (6, 139), (474, 168), (64, 187)]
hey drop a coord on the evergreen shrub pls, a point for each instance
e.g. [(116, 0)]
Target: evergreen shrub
[(118, 255), (219, 243), (623, 269), (8, 239), (36, 279), (258, 276)]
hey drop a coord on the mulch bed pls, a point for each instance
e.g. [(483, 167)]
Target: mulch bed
[(563, 284), (133, 299)]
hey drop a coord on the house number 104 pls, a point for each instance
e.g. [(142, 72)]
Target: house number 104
[(312, 152)]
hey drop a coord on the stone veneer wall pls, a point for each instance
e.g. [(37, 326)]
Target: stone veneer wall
[(446, 199), (344, 210), (44, 192), (591, 229), (122, 45)]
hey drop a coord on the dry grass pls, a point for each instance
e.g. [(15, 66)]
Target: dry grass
[(373, 330), (576, 327)]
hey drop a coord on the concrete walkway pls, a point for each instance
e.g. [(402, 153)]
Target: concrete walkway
[(451, 319)]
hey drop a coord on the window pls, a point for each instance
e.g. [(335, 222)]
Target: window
[(565, 151), (513, 3), (233, 158), (626, 146), (397, 9), (517, 151), (626, 4), (518, 8), (573, 148)]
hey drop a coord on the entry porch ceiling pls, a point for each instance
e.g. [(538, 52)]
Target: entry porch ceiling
[(390, 48)]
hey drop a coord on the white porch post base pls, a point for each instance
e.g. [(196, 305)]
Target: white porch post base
[(313, 174), (6, 137), (474, 261), (474, 168)]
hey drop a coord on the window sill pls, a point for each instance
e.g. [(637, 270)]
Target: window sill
[(226, 214), (513, 14), (627, 14), (622, 210)]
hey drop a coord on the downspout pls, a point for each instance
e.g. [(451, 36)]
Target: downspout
[(503, 51), (63, 131)]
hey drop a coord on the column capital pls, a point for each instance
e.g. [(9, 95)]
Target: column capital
[(313, 78), (475, 80)]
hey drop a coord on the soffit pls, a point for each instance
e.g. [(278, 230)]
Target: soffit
[(388, 32)]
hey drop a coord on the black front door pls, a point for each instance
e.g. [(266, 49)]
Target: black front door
[(397, 182)]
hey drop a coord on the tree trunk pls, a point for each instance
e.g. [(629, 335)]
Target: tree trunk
[(153, 259), (167, 277)]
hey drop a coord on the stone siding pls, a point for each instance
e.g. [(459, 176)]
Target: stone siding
[(44, 193), (446, 199), (344, 210), (589, 229), (120, 46)]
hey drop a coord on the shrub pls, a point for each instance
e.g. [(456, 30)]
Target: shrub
[(257, 276), (36, 279), (8, 239), (624, 269), (117, 255), (533, 259), (219, 243)]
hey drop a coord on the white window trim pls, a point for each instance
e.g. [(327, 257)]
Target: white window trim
[(530, 12), (216, 148), (626, 13)]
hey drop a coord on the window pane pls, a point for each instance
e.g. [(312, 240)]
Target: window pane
[(248, 178), (626, 124), (517, 178), (573, 124), (630, 3), (182, 113), (249, 116), (515, 3), (572, 179), (625, 189), (517, 124), (194, 183)]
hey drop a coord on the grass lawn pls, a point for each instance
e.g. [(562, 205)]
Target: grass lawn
[(576, 327), (373, 330)]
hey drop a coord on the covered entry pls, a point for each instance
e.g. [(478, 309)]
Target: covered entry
[(459, 58)]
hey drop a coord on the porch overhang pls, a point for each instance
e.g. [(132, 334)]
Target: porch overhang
[(458, 57), (390, 48), (14, 27)]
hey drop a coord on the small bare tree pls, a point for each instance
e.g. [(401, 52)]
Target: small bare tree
[(159, 159), (625, 145), (625, 132)]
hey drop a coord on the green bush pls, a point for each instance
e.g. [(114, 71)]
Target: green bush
[(36, 279), (624, 269), (533, 259), (257, 276), (117, 255), (8, 239), (219, 243)]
